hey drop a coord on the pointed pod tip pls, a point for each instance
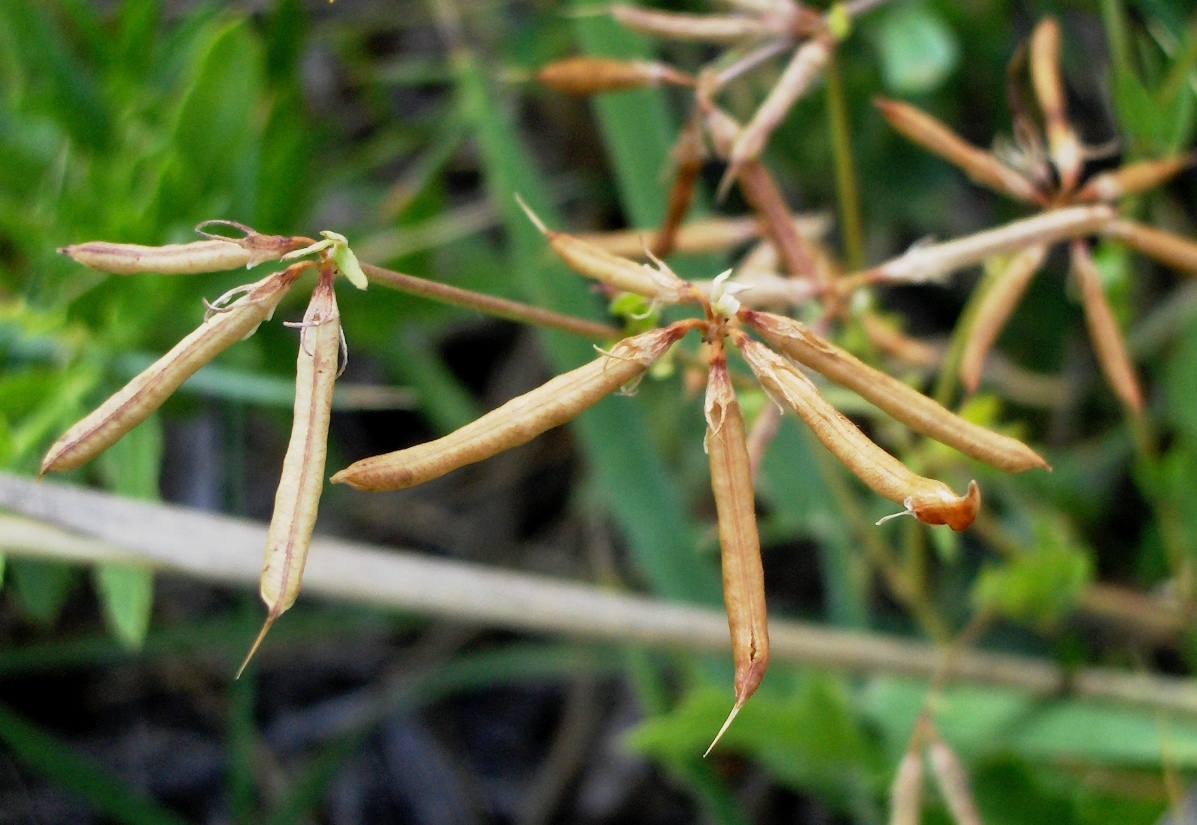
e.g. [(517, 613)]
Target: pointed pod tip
[(266, 625), (727, 724), (532, 216)]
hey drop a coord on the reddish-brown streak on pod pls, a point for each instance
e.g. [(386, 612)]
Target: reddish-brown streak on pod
[(906, 404), (518, 421), (134, 402), (743, 575)]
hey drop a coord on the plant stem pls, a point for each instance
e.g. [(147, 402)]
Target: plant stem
[(845, 169), (490, 304)]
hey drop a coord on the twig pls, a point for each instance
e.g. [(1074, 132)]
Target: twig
[(229, 550)]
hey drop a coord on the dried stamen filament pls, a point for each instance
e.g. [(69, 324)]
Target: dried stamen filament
[(519, 420), (619, 273), (302, 479), (215, 254), (995, 309), (594, 75), (928, 500), (982, 167), (902, 402), (1104, 331), (743, 575), (134, 402)]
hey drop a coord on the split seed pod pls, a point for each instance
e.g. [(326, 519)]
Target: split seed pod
[(519, 420), (595, 75), (982, 167), (1107, 338), (659, 283), (743, 575), (995, 309), (213, 255), (134, 402), (902, 402), (930, 501), (299, 487)]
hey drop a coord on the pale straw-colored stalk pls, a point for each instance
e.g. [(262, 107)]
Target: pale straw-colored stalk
[(711, 28), (134, 402)]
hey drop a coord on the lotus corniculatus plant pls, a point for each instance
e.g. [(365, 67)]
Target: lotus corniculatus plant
[(233, 317), (724, 325), (1044, 167)]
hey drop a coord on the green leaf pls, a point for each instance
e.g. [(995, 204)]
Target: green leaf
[(918, 49), (41, 587), (101, 789)]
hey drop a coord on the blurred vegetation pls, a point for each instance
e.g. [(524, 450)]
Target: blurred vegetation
[(136, 120)]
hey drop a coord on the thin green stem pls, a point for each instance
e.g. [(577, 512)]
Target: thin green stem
[(847, 194), (490, 304)]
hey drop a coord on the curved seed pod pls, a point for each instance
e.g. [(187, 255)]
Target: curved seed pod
[(659, 283), (799, 74), (994, 310), (928, 500), (743, 575), (215, 254), (593, 75), (1062, 141), (1103, 330), (706, 235), (687, 158), (1170, 250), (134, 402), (711, 28), (952, 781), (922, 263), (1137, 177), (902, 402), (906, 794), (518, 421), (298, 495), (982, 167)]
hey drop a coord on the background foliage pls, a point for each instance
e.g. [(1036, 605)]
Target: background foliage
[(135, 120)]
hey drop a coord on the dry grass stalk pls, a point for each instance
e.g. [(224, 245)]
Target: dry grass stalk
[(519, 420), (995, 309), (743, 575), (928, 500), (1107, 338), (902, 402), (302, 480), (134, 402)]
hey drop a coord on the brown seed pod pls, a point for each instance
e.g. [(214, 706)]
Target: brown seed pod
[(519, 420), (1137, 177), (982, 167), (743, 575), (904, 403), (1062, 141), (215, 254), (1170, 250), (595, 75), (302, 479), (995, 309), (657, 282), (1107, 338), (928, 500), (134, 402)]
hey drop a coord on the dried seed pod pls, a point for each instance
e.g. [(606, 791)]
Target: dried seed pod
[(1137, 177), (519, 420), (134, 402), (952, 781), (1170, 250), (906, 794), (302, 479), (806, 64), (711, 28), (687, 157), (994, 310), (1062, 141), (981, 167), (215, 254), (743, 575), (925, 262), (658, 282), (1103, 330), (928, 500), (594, 75), (906, 404)]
